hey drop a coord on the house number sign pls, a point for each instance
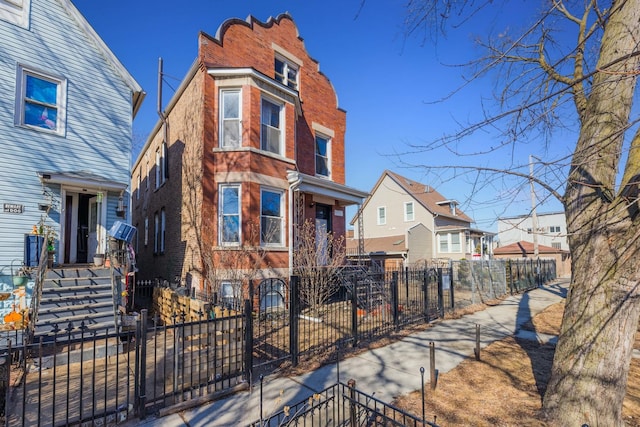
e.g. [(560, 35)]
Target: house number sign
[(13, 208)]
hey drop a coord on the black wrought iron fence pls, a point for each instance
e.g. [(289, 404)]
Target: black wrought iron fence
[(341, 405), (107, 376)]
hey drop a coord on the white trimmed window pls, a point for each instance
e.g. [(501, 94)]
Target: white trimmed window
[(158, 168), (286, 72), (229, 214), (230, 295), (272, 125), (449, 242), (230, 118), (139, 185), (323, 164), (146, 231), (156, 233), (408, 211), (382, 215), (271, 217), (15, 12), (554, 229), (41, 101), (163, 229), (164, 164), (146, 174)]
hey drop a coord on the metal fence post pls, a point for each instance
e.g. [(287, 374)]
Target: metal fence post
[(294, 325), (352, 403), (440, 294), (394, 298), (248, 341), (143, 363), (451, 293), (425, 289), (354, 312)]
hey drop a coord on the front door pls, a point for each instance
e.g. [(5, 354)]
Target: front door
[(323, 227), (92, 244)]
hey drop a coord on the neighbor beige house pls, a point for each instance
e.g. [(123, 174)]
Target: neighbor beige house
[(406, 222)]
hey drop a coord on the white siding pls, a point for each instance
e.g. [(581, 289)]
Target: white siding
[(516, 229)]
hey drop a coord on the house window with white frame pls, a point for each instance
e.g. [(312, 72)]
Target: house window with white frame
[(158, 168), (146, 231), (230, 118), (272, 125), (286, 73), (229, 214), (449, 243), (554, 229), (382, 215), (164, 164), (323, 165), (15, 12), (163, 229), (147, 177), (408, 211), (156, 233), (271, 217), (139, 185), (41, 101), (230, 295)]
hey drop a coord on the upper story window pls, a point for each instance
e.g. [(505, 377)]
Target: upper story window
[(156, 233), (15, 12), (323, 165), (230, 118), (286, 73), (229, 214), (139, 185), (554, 229), (163, 229), (382, 215), (408, 211), (146, 231), (41, 101), (271, 217), (158, 168), (271, 129)]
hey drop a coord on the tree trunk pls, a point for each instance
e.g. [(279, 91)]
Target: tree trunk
[(591, 363)]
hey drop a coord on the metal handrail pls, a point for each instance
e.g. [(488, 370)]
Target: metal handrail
[(36, 296)]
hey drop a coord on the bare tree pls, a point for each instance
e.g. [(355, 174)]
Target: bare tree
[(539, 78), (318, 257)]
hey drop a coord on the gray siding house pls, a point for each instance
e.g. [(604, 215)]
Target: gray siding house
[(66, 111), (406, 222)]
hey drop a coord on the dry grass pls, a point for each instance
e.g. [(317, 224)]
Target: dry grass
[(506, 386)]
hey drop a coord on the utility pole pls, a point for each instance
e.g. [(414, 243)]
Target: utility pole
[(534, 217)]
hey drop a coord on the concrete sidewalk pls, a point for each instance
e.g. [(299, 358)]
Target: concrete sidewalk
[(385, 372)]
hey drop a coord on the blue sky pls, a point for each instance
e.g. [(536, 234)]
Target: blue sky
[(384, 80)]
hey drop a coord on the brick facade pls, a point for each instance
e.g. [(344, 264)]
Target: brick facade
[(242, 58)]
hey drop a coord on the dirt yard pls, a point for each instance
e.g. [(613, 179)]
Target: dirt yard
[(506, 386)]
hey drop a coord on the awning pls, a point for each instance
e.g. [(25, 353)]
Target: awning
[(81, 179), (324, 187)]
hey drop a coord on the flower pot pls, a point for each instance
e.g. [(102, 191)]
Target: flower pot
[(98, 260), (20, 280), (50, 255)]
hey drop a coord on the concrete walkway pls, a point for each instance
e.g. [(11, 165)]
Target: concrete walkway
[(385, 372)]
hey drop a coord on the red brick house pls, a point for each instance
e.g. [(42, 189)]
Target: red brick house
[(251, 143)]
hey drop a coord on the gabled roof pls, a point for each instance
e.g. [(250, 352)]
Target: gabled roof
[(524, 248), (426, 195), (138, 93)]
